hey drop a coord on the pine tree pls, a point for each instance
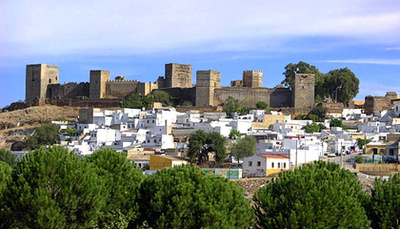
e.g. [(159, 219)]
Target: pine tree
[(319, 195), (53, 189), (5, 176), (122, 182), (186, 197), (384, 210)]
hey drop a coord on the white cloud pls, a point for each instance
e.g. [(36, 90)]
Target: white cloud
[(152, 26), (393, 48), (366, 61)]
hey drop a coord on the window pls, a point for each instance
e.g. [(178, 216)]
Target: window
[(250, 163), (381, 151), (153, 121), (258, 163), (272, 165), (375, 151), (391, 152), (284, 165), (147, 121), (279, 165), (49, 80)]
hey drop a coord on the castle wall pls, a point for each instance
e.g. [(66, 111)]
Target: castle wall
[(98, 80), (38, 76), (75, 102), (68, 90), (280, 97), (275, 97), (206, 82), (252, 79), (178, 75), (146, 88), (120, 89), (250, 96), (180, 95), (377, 103), (303, 86)]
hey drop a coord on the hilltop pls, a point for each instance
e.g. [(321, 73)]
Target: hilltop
[(15, 125)]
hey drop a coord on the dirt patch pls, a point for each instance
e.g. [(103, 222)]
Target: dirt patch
[(15, 125)]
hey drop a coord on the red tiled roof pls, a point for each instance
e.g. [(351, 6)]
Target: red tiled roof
[(273, 156)]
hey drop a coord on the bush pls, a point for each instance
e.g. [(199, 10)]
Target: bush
[(186, 197), (46, 134), (359, 159), (319, 195), (262, 105), (336, 123), (384, 210)]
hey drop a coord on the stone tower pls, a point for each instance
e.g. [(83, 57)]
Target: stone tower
[(206, 82), (38, 76), (98, 80), (303, 90), (178, 75), (252, 79)]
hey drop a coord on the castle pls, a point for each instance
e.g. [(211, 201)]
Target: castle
[(42, 83)]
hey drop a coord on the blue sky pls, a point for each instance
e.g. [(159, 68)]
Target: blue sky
[(137, 38)]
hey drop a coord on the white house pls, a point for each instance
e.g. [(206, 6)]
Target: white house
[(264, 164)]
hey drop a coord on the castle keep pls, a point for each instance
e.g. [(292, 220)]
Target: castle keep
[(42, 83)]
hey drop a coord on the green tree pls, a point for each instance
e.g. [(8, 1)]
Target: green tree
[(186, 197), (137, 101), (384, 210), (161, 97), (336, 123), (300, 117), (302, 67), (244, 147), (312, 128), (320, 112), (234, 134), (201, 143), (122, 183), (261, 105), (5, 176), (7, 157), (313, 117), (231, 106), (46, 134), (53, 189), (318, 195), (343, 82), (362, 142), (70, 131)]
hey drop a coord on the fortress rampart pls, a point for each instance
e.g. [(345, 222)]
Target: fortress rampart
[(42, 84)]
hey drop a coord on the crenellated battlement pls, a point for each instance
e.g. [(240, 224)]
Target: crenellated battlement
[(42, 83), (255, 71), (121, 81)]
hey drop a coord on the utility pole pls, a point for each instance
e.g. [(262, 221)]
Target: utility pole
[(341, 156), (296, 154)]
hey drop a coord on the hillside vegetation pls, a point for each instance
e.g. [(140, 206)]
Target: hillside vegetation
[(15, 125)]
